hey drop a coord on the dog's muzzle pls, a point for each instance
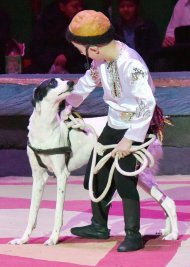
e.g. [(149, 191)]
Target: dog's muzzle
[(70, 85)]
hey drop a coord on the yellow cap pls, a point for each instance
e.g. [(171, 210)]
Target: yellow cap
[(89, 23), (89, 27)]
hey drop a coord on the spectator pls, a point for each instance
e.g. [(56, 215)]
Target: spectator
[(137, 32), (180, 17), (176, 45), (5, 37), (49, 45), (59, 65)]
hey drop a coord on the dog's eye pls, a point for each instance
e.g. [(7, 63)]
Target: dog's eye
[(53, 83)]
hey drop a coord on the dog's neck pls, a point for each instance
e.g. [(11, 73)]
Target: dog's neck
[(45, 127)]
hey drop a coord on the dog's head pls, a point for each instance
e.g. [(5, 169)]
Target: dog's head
[(53, 90)]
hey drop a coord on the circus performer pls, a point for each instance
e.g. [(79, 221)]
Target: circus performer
[(128, 91)]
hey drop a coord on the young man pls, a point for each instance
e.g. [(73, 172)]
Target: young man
[(127, 89)]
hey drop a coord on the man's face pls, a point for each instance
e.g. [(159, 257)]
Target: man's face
[(128, 10), (71, 8)]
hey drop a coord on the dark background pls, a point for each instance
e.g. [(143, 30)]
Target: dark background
[(23, 13)]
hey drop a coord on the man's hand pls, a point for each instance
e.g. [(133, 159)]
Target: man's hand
[(65, 113), (122, 148), (168, 41)]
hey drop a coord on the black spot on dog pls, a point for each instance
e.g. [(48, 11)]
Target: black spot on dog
[(70, 84), (41, 91)]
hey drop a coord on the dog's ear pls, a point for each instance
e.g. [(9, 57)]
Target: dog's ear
[(36, 103), (41, 91), (39, 94)]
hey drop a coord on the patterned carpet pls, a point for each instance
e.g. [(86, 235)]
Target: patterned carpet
[(76, 252)]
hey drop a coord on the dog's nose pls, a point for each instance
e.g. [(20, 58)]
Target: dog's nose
[(70, 84)]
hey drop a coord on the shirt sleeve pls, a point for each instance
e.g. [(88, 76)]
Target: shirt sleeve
[(84, 87), (144, 101), (175, 19)]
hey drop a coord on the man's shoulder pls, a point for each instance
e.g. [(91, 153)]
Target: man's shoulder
[(130, 54)]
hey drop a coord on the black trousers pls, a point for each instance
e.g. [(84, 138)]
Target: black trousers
[(126, 186)]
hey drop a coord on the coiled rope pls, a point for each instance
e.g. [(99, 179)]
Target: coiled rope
[(143, 156)]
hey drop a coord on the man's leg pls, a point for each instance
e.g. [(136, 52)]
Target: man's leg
[(133, 240), (98, 229), (126, 187)]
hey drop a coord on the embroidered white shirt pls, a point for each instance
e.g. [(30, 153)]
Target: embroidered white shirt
[(131, 103), (180, 16)]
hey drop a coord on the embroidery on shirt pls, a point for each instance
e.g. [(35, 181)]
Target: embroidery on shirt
[(126, 116), (113, 78), (94, 74), (137, 73), (142, 110)]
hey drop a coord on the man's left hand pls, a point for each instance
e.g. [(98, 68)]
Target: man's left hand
[(122, 148)]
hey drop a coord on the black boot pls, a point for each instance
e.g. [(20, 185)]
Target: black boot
[(98, 229), (133, 240)]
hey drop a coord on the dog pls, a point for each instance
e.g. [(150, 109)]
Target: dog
[(52, 148), (48, 149)]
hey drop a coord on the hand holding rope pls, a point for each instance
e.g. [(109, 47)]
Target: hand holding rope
[(140, 153)]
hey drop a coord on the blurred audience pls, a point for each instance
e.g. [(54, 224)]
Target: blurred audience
[(137, 32), (175, 52), (5, 37), (49, 50), (180, 17), (13, 55), (59, 65)]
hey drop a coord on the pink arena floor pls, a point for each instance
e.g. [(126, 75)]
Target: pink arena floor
[(73, 251)]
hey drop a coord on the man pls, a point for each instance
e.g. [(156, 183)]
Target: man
[(127, 89), (176, 45), (180, 17)]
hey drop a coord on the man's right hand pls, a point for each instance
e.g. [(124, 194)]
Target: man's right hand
[(168, 41)]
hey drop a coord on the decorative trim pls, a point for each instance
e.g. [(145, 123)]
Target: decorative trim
[(113, 78)]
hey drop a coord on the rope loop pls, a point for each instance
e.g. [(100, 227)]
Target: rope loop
[(142, 155)]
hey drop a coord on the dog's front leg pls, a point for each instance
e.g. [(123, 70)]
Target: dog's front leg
[(58, 221), (39, 180)]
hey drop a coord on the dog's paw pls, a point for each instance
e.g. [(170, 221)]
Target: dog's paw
[(167, 229), (51, 242), (164, 232), (18, 241), (171, 236)]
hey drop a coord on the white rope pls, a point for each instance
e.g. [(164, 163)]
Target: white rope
[(140, 153)]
